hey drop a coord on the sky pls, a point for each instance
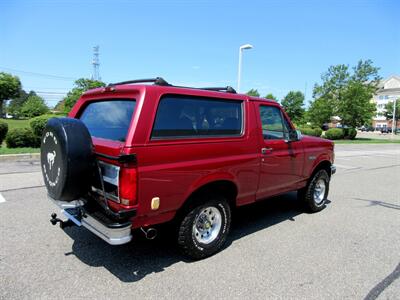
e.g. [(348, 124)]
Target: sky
[(49, 43)]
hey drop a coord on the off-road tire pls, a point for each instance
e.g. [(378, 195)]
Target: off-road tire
[(306, 195), (188, 243)]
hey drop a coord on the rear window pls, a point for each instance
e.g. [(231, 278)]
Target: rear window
[(186, 116), (109, 119)]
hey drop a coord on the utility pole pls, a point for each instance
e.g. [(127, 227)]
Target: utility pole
[(394, 118), (305, 92), (96, 64)]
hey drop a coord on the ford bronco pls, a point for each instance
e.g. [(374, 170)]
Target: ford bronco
[(140, 153)]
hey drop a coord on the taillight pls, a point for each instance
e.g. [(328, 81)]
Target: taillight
[(128, 186)]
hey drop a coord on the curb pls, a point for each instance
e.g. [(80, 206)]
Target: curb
[(20, 157)]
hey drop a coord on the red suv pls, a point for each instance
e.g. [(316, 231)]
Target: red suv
[(135, 155)]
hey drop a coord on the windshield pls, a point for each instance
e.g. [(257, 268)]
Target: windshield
[(109, 119)]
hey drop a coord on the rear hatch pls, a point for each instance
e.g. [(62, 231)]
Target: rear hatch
[(108, 121)]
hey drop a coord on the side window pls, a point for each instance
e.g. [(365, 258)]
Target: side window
[(186, 116), (109, 119), (274, 126)]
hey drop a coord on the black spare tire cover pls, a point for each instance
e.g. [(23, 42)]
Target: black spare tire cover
[(66, 155)]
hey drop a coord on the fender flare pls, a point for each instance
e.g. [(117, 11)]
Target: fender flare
[(209, 179), (323, 158)]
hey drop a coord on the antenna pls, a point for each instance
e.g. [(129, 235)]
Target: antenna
[(96, 64)]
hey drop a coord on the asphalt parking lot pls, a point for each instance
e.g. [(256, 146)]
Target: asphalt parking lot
[(350, 250)]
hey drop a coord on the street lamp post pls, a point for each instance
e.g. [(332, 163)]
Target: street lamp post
[(241, 48)]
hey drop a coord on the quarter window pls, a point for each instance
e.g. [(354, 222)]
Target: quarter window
[(109, 119), (186, 116), (274, 126)]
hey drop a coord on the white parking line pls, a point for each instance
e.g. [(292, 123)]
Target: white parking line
[(2, 199), (345, 167)]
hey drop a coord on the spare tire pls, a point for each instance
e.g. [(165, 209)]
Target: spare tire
[(67, 160)]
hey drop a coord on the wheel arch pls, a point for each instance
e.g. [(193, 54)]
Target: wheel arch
[(322, 165), (223, 187)]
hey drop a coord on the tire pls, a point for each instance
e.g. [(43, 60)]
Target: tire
[(314, 200), (196, 237), (66, 158)]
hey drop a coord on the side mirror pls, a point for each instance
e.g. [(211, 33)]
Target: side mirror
[(295, 135)]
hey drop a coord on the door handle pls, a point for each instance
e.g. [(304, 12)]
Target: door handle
[(266, 150)]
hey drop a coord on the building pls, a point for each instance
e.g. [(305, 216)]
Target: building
[(389, 90)]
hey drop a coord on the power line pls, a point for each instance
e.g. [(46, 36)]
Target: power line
[(50, 76), (43, 88), (53, 100), (50, 93)]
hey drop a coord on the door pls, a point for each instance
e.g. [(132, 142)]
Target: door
[(281, 160)]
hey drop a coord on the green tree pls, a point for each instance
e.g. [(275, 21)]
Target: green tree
[(293, 104), (60, 106), (15, 105), (356, 108), (271, 97), (253, 92), (334, 82), (81, 85), (346, 94), (33, 107), (389, 111), (10, 87), (320, 112)]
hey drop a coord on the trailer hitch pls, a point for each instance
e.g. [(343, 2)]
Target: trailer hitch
[(63, 224)]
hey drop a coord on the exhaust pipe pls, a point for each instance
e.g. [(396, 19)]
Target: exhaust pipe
[(149, 233)]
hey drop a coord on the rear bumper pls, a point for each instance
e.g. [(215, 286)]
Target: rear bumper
[(113, 232)]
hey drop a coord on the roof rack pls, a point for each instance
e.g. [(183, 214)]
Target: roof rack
[(162, 82), (156, 81), (227, 89)]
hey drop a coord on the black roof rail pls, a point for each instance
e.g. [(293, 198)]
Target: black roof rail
[(162, 82), (156, 81), (227, 89)]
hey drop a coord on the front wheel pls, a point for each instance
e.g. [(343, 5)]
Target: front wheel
[(315, 194), (204, 229)]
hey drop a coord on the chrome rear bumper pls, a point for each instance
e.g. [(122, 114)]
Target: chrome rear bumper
[(113, 233)]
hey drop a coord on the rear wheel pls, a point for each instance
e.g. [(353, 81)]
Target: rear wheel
[(204, 228), (315, 194)]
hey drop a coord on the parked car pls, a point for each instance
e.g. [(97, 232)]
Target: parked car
[(325, 127), (367, 128), (342, 126), (134, 156), (386, 130)]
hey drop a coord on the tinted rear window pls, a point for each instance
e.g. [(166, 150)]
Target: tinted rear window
[(186, 116), (109, 119)]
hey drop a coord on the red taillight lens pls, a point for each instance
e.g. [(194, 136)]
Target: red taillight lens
[(128, 186)]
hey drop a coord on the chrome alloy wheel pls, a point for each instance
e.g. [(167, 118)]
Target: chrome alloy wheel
[(319, 191), (207, 225)]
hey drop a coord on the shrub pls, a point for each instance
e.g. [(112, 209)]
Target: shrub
[(311, 131), (334, 134), (37, 124), (34, 106), (3, 131), (21, 137), (307, 131), (350, 133), (318, 132)]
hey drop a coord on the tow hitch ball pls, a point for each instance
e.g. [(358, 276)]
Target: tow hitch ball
[(63, 224)]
